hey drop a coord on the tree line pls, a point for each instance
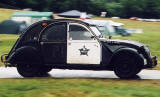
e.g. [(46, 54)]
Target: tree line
[(120, 8)]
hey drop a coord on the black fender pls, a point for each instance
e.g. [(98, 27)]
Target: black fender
[(25, 55), (132, 51)]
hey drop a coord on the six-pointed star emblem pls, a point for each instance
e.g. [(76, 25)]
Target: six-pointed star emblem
[(84, 51)]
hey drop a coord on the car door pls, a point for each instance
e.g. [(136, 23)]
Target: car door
[(53, 42), (81, 48)]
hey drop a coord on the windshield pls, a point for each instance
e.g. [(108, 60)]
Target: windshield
[(101, 29), (96, 31)]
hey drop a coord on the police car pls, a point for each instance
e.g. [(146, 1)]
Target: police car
[(74, 44)]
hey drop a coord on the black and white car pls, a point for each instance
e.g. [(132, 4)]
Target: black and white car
[(73, 44)]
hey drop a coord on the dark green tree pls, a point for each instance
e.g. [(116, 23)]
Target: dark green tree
[(122, 8)]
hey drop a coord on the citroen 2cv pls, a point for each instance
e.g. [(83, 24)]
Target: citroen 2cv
[(74, 44)]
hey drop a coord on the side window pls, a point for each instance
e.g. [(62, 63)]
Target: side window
[(55, 33), (78, 32)]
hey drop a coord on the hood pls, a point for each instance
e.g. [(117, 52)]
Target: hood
[(115, 44), (121, 42)]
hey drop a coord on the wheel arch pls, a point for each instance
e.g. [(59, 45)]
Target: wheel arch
[(25, 54), (131, 51)]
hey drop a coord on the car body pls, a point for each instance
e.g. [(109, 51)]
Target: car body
[(74, 44)]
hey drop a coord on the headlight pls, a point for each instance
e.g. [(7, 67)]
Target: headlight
[(147, 50)]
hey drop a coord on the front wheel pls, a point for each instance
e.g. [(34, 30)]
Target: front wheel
[(127, 65)]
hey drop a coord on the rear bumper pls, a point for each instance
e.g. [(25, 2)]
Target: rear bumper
[(152, 63)]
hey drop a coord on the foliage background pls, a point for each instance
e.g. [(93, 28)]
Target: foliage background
[(121, 8)]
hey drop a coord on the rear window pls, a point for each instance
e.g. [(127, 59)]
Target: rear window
[(55, 33)]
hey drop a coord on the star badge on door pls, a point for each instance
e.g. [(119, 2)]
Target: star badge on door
[(84, 51)]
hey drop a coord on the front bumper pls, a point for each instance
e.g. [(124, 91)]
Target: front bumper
[(4, 59), (152, 63)]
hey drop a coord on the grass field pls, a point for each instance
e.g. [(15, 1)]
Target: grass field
[(47, 87), (6, 13), (52, 87)]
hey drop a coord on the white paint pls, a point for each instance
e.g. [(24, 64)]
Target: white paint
[(9, 72), (95, 30), (74, 56)]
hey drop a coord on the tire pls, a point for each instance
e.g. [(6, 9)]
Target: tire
[(127, 65), (45, 69), (28, 70)]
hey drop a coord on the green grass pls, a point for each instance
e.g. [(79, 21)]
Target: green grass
[(6, 13), (6, 43), (78, 88)]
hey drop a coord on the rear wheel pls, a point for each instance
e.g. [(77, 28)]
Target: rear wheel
[(45, 69), (127, 65), (29, 70)]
